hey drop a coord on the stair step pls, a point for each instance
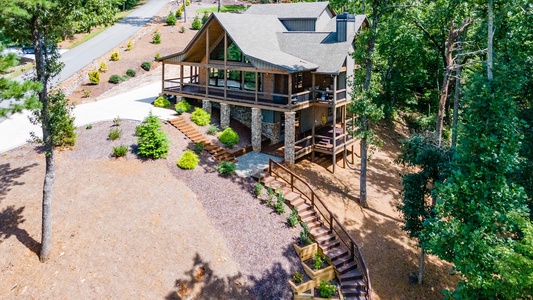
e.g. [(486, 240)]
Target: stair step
[(353, 284), (291, 196), (306, 213), (354, 274), (346, 268), (297, 202), (320, 231), (325, 237), (337, 253), (353, 293), (302, 207), (277, 184), (329, 244), (268, 180), (313, 224), (342, 261), (310, 219)]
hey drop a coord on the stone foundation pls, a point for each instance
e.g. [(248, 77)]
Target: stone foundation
[(224, 115), (289, 137), (256, 129), (206, 105)]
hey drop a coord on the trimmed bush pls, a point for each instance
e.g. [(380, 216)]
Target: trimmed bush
[(326, 290), (187, 2), (212, 130), (61, 119), (151, 139), (157, 56), (129, 46), (94, 77), (226, 168), (120, 150), (200, 117), (156, 37), (205, 17), (199, 147), (161, 102), (229, 137), (196, 23), (189, 160), (182, 106), (131, 73), (179, 12), (115, 56), (103, 67), (114, 133), (115, 79), (171, 19), (182, 29), (146, 66)]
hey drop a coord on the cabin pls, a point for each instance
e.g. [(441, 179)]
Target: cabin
[(281, 69)]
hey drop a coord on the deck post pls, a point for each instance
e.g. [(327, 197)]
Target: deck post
[(313, 83), (256, 86), (313, 139), (206, 105), (334, 123), (224, 115), (181, 77), (163, 78), (290, 119), (256, 129)]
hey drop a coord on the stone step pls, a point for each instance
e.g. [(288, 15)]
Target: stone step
[(329, 244), (354, 274), (346, 268)]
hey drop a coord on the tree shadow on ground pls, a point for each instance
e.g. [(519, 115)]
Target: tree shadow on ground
[(9, 177), (10, 220)]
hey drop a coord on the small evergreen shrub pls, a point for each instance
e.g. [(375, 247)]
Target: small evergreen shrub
[(200, 117), (293, 218), (229, 137), (326, 290), (189, 160), (151, 139), (258, 189), (196, 23), (318, 261), (157, 56), (226, 168), (179, 12), (90, 126), (120, 151), (115, 79), (161, 102), (297, 277), (212, 129), (279, 205), (199, 147), (116, 121), (187, 2), (103, 67), (205, 17), (129, 46), (146, 66), (156, 37), (94, 77), (115, 56), (182, 29), (305, 235), (182, 106), (131, 73), (171, 19), (86, 93), (114, 133)]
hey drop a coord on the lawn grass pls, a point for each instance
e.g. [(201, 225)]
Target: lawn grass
[(223, 8)]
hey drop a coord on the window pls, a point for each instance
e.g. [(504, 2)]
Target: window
[(216, 77), (298, 82), (249, 81), (234, 53)]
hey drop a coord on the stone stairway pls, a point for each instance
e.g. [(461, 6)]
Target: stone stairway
[(195, 136), (350, 277)]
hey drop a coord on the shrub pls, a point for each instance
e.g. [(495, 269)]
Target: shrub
[(205, 17), (182, 29), (226, 168), (293, 218), (152, 140), (87, 93), (115, 79), (270, 195), (129, 46), (318, 261), (326, 290), (157, 56), (90, 126), (258, 189), (120, 150), (156, 37), (297, 277), (114, 133), (179, 12), (131, 73), (146, 66), (212, 130), (229, 137), (187, 2), (182, 106), (305, 235), (117, 121), (171, 19), (199, 147), (200, 117), (161, 102), (103, 67), (196, 23), (189, 160), (94, 77), (279, 205), (62, 130), (115, 56)]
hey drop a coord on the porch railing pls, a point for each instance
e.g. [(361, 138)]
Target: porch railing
[(325, 215)]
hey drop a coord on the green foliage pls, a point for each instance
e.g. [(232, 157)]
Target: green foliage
[(196, 23), (179, 12), (157, 56), (279, 205), (189, 160), (115, 56), (187, 2), (182, 29), (86, 93), (129, 46), (161, 102), (171, 19), (297, 277), (89, 126), (152, 140), (229, 137), (318, 261), (120, 151), (212, 129), (205, 17), (131, 73), (326, 290), (114, 133), (258, 189), (115, 79), (271, 194), (146, 66), (94, 77), (156, 38), (182, 106), (116, 121), (200, 117), (103, 67), (305, 235), (226, 168), (293, 218), (199, 147)]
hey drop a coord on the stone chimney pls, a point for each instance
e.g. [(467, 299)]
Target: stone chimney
[(345, 25)]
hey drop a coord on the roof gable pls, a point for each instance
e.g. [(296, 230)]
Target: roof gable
[(283, 11)]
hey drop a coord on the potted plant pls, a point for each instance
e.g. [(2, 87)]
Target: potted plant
[(327, 290), (318, 268), (306, 248), (299, 285)]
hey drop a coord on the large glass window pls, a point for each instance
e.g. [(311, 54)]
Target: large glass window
[(216, 77), (234, 79), (234, 53), (249, 81)]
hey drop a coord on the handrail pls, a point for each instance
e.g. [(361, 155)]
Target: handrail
[(352, 246)]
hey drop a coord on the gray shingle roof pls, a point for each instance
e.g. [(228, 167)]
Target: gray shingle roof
[(299, 10)]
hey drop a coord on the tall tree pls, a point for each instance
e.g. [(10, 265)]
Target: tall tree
[(42, 22)]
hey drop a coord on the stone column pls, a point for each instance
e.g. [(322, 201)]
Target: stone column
[(206, 105), (224, 115), (256, 129), (289, 137)]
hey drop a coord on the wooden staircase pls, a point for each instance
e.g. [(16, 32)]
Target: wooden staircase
[(195, 136), (344, 256)]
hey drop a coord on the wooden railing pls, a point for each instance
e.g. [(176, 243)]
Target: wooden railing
[(325, 215)]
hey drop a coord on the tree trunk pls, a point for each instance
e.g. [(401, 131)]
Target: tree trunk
[(456, 105), (218, 5), (46, 239), (421, 265), (362, 179), (184, 12)]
